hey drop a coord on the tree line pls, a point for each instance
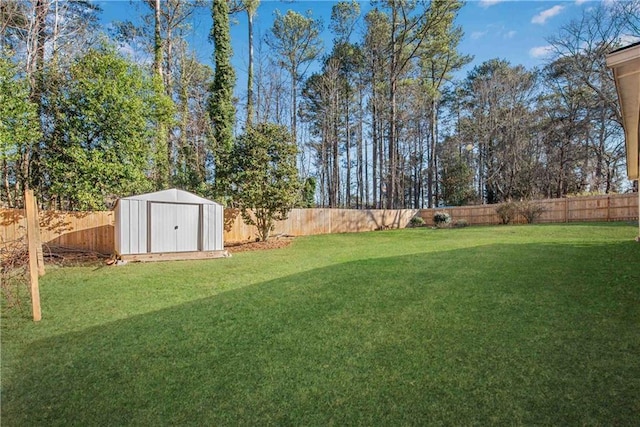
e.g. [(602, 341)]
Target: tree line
[(391, 127), (90, 114)]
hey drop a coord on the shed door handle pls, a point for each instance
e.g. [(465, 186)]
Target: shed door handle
[(175, 228)]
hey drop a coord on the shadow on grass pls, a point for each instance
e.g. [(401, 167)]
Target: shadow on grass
[(518, 334)]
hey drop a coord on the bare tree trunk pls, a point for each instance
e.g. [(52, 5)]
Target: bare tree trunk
[(336, 154), (362, 200), (157, 41), (435, 157), (54, 38), (431, 155), (250, 71), (184, 123), (162, 148), (259, 92), (294, 104), (381, 163), (348, 152), (7, 188), (36, 79), (324, 178), (393, 87), (374, 136), (168, 89)]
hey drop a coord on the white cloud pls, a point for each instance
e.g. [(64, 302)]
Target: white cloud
[(540, 51), (478, 34), (579, 2), (489, 3), (542, 17), (126, 49), (494, 31), (627, 39), (135, 52)]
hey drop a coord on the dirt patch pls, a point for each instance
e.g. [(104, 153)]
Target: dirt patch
[(69, 257), (274, 243)]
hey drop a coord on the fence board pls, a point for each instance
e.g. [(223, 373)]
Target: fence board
[(94, 231), (614, 207), (88, 231)]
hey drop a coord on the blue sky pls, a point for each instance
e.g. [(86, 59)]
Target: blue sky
[(512, 30)]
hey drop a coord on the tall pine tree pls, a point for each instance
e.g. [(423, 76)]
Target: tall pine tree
[(221, 108)]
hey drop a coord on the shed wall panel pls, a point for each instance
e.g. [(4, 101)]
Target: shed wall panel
[(125, 227), (134, 227), (212, 227), (131, 227), (142, 226), (117, 226), (218, 228), (208, 215)]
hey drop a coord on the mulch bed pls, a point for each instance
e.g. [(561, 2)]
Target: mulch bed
[(274, 243), (67, 257)]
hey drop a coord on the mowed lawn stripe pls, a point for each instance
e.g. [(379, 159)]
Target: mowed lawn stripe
[(517, 325)]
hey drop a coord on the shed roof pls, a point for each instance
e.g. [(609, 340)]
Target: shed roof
[(172, 195), (625, 63)]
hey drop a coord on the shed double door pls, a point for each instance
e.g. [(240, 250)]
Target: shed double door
[(174, 227)]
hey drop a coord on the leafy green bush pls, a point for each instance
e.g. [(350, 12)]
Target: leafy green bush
[(530, 210), (442, 219), (416, 221), (265, 176), (507, 212)]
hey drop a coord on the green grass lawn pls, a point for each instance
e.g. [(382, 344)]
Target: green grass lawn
[(478, 326)]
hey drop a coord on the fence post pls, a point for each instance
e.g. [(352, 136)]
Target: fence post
[(608, 208), (566, 210), (32, 239), (38, 236)]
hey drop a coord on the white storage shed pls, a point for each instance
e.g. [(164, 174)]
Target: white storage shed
[(168, 222)]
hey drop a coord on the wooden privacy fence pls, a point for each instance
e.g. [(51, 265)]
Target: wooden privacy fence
[(86, 231), (305, 222), (94, 231), (614, 207)]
